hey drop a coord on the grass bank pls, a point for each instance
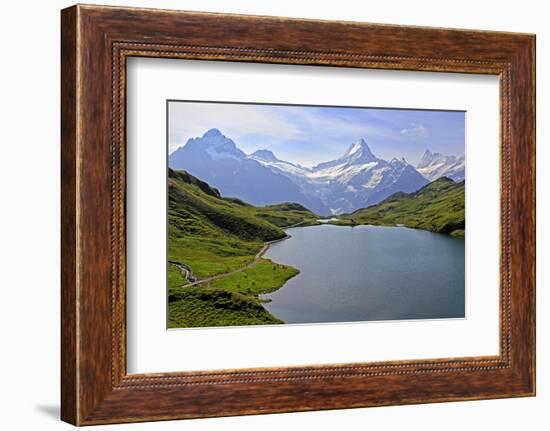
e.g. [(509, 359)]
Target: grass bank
[(214, 236), (436, 207)]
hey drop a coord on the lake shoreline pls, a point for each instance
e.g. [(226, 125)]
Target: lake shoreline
[(460, 233), (264, 300), (267, 300), (341, 261)]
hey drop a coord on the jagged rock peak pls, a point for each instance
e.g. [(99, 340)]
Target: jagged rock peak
[(266, 155), (212, 133)]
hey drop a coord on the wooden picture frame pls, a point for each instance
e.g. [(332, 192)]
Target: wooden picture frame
[(95, 43)]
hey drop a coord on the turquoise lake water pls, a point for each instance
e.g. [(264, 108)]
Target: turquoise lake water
[(366, 273)]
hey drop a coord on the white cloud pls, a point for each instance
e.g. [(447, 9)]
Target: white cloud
[(188, 120), (415, 129), (191, 119)]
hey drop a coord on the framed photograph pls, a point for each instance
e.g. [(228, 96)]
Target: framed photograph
[(338, 234), (264, 215)]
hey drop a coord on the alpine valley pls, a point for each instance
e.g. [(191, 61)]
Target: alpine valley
[(358, 179), (256, 240)]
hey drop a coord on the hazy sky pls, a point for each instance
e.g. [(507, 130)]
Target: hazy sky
[(309, 135)]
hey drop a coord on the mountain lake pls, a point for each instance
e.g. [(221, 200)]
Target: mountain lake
[(366, 273)]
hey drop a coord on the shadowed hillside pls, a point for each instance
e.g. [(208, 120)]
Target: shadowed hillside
[(221, 240)]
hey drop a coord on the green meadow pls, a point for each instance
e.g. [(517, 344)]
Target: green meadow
[(222, 240), (437, 207), (217, 236)]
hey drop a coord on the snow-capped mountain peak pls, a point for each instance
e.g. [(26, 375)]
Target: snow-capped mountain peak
[(359, 151), (396, 161), (270, 160), (426, 159), (437, 165), (216, 145), (430, 158), (265, 155), (356, 147), (216, 159), (211, 133)]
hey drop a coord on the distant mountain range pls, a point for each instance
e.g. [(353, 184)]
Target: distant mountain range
[(355, 180)]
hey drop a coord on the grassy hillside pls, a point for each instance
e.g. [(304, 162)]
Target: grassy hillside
[(287, 214), (437, 207), (205, 307), (212, 236)]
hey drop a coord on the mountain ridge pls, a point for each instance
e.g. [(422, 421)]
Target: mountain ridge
[(216, 159), (356, 179)]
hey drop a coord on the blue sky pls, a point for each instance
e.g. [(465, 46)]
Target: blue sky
[(309, 135)]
